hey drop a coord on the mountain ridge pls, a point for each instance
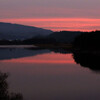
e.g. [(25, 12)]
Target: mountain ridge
[(65, 36), (18, 31)]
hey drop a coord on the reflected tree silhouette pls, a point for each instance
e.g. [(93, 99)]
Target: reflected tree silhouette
[(89, 60), (4, 92)]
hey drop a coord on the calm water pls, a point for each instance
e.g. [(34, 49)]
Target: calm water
[(42, 74)]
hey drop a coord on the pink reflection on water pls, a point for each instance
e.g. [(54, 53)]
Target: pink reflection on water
[(45, 58)]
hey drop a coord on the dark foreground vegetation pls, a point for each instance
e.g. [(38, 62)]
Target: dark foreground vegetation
[(4, 92)]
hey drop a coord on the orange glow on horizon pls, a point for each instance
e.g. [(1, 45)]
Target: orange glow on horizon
[(59, 24), (50, 19)]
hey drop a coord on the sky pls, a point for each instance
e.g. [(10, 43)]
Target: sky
[(75, 13)]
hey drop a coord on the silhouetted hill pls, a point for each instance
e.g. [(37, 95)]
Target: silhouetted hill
[(55, 38), (16, 31), (88, 40), (64, 36)]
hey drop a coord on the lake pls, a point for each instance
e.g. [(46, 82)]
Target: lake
[(50, 74)]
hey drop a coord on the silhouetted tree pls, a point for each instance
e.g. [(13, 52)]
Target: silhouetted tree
[(3, 87), (88, 40), (4, 93)]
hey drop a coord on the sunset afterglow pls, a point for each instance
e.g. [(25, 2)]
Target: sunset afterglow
[(59, 24), (50, 49)]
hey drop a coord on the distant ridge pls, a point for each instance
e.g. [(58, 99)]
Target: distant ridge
[(11, 31), (65, 36)]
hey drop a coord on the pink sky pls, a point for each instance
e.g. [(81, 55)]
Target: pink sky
[(58, 24), (79, 15)]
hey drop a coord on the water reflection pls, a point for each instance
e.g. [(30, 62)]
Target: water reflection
[(88, 59), (85, 59), (4, 92), (58, 80), (10, 53), (61, 50)]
